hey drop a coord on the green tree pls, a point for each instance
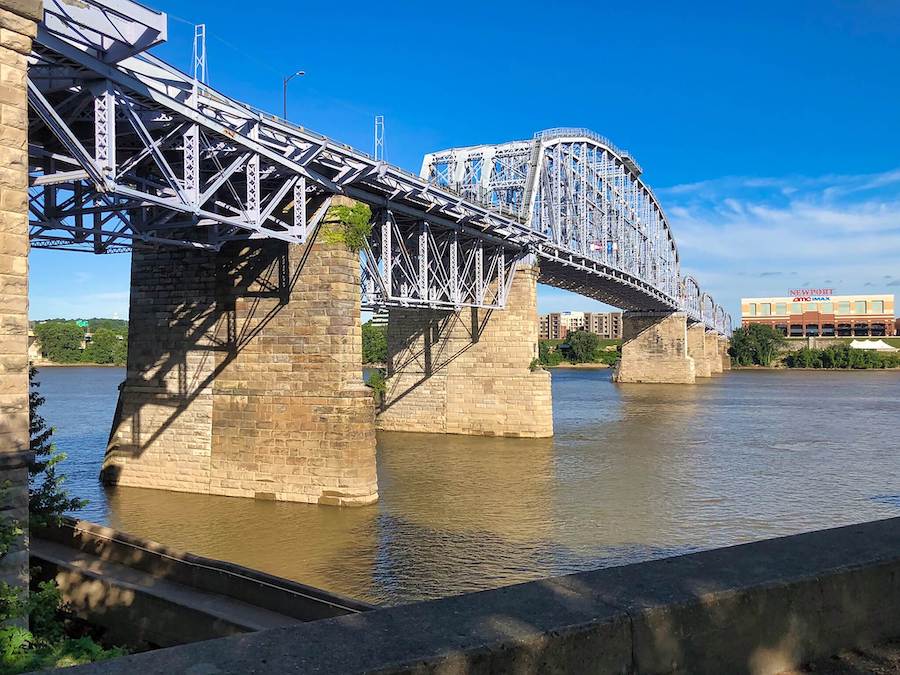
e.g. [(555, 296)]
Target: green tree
[(374, 343), (548, 354), (47, 500), (755, 344), (60, 340), (584, 347), (105, 347)]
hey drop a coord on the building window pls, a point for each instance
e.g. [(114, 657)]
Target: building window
[(827, 308), (844, 307), (844, 329), (828, 330), (812, 330), (796, 329), (810, 307), (781, 328), (765, 309), (781, 309), (861, 329), (795, 308), (860, 307), (752, 309), (877, 307)]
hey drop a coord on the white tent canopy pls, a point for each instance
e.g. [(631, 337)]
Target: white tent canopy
[(878, 345)]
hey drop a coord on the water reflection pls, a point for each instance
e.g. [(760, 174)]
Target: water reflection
[(634, 472)]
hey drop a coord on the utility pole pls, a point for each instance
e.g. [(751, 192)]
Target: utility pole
[(299, 73), (379, 138)]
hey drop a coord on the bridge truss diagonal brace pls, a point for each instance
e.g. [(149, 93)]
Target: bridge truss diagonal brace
[(410, 262)]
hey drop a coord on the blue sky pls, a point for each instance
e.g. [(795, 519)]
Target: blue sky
[(769, 131)]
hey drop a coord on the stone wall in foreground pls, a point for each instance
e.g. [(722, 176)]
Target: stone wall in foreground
[(756, 608)]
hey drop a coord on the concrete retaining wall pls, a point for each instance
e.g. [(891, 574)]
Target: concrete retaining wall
[(754, 608)]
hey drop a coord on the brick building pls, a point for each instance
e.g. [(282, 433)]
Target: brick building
[(556, 325), (818, 313)]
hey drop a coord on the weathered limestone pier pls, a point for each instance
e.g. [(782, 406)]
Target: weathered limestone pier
[(468, 372), (655, 349), (18, 26), (243, 375)]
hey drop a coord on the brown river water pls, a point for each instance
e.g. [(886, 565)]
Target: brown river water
[(634, 472)]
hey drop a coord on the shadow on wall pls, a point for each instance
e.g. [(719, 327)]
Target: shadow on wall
[(215, 329), (431, 340)]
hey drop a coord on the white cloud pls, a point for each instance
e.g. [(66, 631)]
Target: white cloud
[(759, 236)]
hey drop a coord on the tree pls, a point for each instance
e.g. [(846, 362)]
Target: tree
[(374, 343), (105, 347), (60, 340), (47, 500), (755, 344), (548, 354), (584, 347)]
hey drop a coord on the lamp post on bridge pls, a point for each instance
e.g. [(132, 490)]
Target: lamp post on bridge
[(299, 73)]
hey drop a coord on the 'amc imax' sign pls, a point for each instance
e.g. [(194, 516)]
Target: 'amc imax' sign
[(811, 294)]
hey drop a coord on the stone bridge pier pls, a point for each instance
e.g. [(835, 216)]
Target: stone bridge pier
[(467, 372), (244, 377), (698, 349), (655, 349)]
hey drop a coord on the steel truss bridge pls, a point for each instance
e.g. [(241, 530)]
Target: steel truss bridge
[(126, 151)]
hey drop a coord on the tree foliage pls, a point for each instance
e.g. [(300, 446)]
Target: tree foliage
[(374, 343), (584, 347), (105, 347), (60, 340), (755, 344), (842, 356)]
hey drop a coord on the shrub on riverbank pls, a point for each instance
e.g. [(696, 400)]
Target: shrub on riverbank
[(580, 347), (755, 345), (842, 356)]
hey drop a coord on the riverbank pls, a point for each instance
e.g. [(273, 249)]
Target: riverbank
[(53, 364), (826, 370), (578, 366)]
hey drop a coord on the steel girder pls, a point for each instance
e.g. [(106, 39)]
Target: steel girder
[(125, 150), (601, 231)]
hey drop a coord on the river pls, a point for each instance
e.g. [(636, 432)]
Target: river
[(634, 472)]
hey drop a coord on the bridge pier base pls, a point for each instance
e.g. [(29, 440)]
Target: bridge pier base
[(697, 349), (715, 353), (655, 349), (468, 372), (244, 376), (724, 344)]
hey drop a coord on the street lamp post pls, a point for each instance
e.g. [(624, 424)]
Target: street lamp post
[(299, 73)]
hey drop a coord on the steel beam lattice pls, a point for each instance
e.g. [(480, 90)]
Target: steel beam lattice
[(125, 150)]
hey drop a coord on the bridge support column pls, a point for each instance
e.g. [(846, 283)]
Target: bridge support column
[(244, 376), (468, 372), (18, 25), (724, 344), (697, 346), (655, 349), (714, 352)]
